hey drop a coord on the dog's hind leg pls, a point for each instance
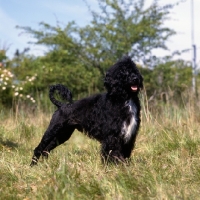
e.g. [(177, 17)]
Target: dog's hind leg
[(55, 126), (59, 139), (54, 136), (49, 135)]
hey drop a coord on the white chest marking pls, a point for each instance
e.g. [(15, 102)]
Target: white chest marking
[(129, 128)]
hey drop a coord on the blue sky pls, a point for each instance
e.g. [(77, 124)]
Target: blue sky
[(30, 13)]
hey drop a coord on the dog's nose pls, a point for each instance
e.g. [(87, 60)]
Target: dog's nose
[(135, 79)]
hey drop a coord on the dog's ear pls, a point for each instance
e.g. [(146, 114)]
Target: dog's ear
[(108, 82), (111, 83), (141, 82)]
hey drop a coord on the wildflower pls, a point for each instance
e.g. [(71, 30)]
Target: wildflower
[(2, 75), (21, 95), (5, 83), (16, 93), (3, 88), (7, 78), (21, 88), (13, 86), (27, 96), (10, 74)]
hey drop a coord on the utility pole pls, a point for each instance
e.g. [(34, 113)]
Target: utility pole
[(193, 49)]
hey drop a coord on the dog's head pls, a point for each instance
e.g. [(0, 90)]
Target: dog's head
[(123, 78)]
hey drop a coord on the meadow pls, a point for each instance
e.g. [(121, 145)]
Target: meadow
[(165, 163)]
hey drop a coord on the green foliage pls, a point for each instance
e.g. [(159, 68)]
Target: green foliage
[(12, 88), (168, 79), (2, 55), (124, 27), (78, 57), (62, 64)]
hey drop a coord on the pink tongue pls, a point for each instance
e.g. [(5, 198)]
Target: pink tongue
[(134, 88)]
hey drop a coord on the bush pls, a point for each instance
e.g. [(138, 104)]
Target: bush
[(12, 90)]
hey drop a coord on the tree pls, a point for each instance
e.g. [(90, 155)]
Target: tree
[(62, 63), (17, 78), (79, 56), (122, 27), (168, 80)]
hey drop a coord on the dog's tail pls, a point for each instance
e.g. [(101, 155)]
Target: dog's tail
[(64, 92)]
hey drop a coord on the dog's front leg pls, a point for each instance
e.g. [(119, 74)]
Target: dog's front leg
[(112, 150)]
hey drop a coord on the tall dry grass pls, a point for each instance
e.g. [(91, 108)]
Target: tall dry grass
[(164, 165)]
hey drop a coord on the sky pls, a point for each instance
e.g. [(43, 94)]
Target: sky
[(31, 13)]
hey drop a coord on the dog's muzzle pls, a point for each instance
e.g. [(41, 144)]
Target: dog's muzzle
[(135, 84)]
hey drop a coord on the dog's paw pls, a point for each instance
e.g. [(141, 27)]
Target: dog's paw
[(34, 161), (45, 154)]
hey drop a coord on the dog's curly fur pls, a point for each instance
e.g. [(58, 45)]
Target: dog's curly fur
[(112, 118)]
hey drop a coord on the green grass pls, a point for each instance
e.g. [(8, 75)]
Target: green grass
[(164, 165)]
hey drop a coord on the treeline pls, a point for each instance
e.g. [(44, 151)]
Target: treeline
[(78, 57)]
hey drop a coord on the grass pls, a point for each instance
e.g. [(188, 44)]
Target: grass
[(164, 165)]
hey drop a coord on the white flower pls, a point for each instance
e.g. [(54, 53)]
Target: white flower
[(21, 95), (27, 96), (3, 88), (13, 86), (7, 78), (5, 83), (2, 75), (16, 93), (10, 75), (21, 88)]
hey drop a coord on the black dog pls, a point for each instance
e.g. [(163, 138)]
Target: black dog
[(112, 118)]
